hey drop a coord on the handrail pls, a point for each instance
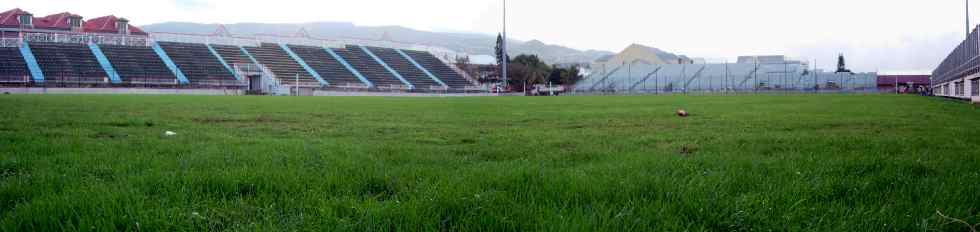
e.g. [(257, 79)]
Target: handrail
[(86, 38), (645, 79), (386, 66), (607, 75), (10, 42)]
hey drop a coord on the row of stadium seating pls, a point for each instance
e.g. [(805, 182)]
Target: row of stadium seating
[(284, 67), (323, 63), (65, 64), (233, 55), (449, 76), (199, 65), (368, 67), (139, 66), (405, 68), (13, 69)]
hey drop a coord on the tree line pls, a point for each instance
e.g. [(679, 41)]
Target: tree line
[(525, 71)]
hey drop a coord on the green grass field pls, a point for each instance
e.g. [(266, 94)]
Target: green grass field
[(820, 163)]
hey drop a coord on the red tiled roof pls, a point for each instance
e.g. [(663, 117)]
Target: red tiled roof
[(107, 24), (9, 18), (55, 21)]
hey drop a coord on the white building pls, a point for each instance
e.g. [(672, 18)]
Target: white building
[(958, 76)]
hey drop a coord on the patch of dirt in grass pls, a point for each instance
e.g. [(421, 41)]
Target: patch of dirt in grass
[(247, 189), (432, 141), (129, 123), (575, 127), (222, 120), (378, 188), (101, 173), (108, 135), (445, 141), (8, 171), (687, 150), (386, 131)]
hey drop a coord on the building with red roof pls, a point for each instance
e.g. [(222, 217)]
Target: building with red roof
[(111, 25), (59, 21), (66, 21), (12, 18)]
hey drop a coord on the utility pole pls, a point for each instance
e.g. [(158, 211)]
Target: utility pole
[(968, 19)]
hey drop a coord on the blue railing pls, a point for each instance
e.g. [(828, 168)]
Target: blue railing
[(249, 55), (170, 64), (349, 67), (224, 63), (385, 65), (36, 73), (419, 66), (303, 63), (104, 62)]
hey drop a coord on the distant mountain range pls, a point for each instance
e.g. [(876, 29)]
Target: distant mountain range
[(469, 43)]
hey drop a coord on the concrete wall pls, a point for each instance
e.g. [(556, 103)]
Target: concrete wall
[(138, 91), (394, 94), (220, 92), (951, 89)]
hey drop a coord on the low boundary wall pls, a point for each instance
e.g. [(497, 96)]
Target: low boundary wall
[(136, 91)]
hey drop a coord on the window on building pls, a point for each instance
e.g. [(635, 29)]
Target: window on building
[(975, 87), (959, 88), (122, 25), (75, 22), (26, 20)]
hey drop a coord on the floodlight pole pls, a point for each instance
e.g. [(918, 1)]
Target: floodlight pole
[(503, 66)]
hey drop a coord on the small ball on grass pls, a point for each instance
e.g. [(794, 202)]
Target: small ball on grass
[(682, 113)]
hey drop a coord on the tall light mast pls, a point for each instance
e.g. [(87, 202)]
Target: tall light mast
[(503, 66)]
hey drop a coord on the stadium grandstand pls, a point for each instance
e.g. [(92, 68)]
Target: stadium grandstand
[(958, 75), (65, 50), (749, 74)]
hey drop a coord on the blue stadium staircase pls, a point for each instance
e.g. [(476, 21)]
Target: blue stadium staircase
[(170, 64), (274, 86), (36, 73), (419, 66), (104, 62), (646, 78), (349, 67), (303, 63), (249, 55), (237, 75), (750, 76), (604, 78), (390, 70), (696, 76)]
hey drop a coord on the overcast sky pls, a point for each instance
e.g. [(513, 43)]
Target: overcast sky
[(891, 36)]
